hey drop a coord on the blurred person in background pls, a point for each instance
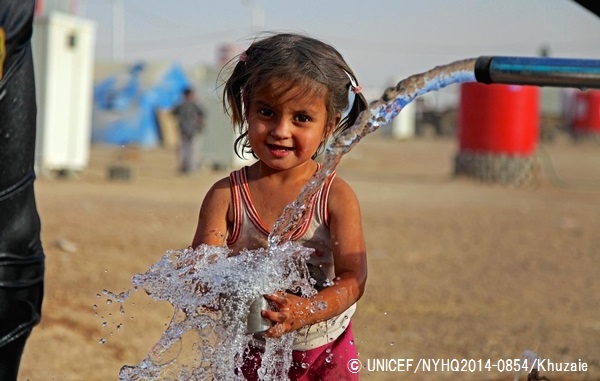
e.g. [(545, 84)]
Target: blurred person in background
[(190, 116)]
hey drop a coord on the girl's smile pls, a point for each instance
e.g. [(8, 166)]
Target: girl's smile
[(279, 151)]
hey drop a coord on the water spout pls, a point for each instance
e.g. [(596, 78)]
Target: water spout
[(379, 112)]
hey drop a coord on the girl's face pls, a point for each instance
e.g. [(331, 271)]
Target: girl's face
[(286, 124)]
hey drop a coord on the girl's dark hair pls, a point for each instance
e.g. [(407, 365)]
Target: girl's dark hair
[(300, 60)]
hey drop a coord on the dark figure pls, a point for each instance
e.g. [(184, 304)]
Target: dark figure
[(191, 124), (21, 253)]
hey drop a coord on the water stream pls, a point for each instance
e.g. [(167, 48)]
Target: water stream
[(212, 291)]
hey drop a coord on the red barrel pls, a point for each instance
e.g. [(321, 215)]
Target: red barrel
[(586, 116), (502, 119)]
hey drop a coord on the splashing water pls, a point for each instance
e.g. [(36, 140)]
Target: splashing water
[(212, 291)]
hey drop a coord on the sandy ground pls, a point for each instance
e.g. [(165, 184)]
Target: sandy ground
[(457, 268)]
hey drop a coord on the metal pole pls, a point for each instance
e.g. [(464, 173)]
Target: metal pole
[(118, 30), (258, 15)]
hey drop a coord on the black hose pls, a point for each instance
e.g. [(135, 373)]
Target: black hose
[(538, 71)]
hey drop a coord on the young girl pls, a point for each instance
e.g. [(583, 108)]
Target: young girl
[(287, 94)]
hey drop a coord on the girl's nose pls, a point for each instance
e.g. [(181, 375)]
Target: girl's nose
[(281, 130)]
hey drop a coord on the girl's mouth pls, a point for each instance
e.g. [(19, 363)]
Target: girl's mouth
[(279, 151)]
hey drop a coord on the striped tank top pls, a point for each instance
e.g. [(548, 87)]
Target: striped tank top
[(249, 232)]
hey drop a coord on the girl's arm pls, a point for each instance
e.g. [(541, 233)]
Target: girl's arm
[(350, 258), (212, 220), (214, 217)]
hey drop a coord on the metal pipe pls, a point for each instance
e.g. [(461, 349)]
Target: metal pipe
[(539, 71)]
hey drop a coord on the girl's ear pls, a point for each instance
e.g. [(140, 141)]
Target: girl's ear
[(331, 127)]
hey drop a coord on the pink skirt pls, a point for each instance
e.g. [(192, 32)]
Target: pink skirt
[(327, 362)]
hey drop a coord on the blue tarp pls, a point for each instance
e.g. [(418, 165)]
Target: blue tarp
[(127, 115)]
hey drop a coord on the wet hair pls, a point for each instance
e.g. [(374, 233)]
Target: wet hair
[(300, 61)]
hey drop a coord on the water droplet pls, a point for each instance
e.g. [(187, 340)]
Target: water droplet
[(119, 327), (329, 358), (98, 296), (102, 341), (108, 301), (104, 324), (392, 344), (95, 306), (304, 365), (121, 310)]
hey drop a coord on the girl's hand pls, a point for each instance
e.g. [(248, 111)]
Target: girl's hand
[(292, 312)]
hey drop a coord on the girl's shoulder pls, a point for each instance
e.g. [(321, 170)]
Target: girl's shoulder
[(224, 188), (341, 194), (224, 183), (340, 185), (343, 209), (220, 190)]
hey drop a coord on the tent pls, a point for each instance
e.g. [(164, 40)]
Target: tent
[(125, 112)]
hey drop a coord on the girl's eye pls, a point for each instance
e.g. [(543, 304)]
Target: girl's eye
[(265, 111), (303, 118)]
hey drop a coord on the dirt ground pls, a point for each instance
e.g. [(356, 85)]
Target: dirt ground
[(457, 268)]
